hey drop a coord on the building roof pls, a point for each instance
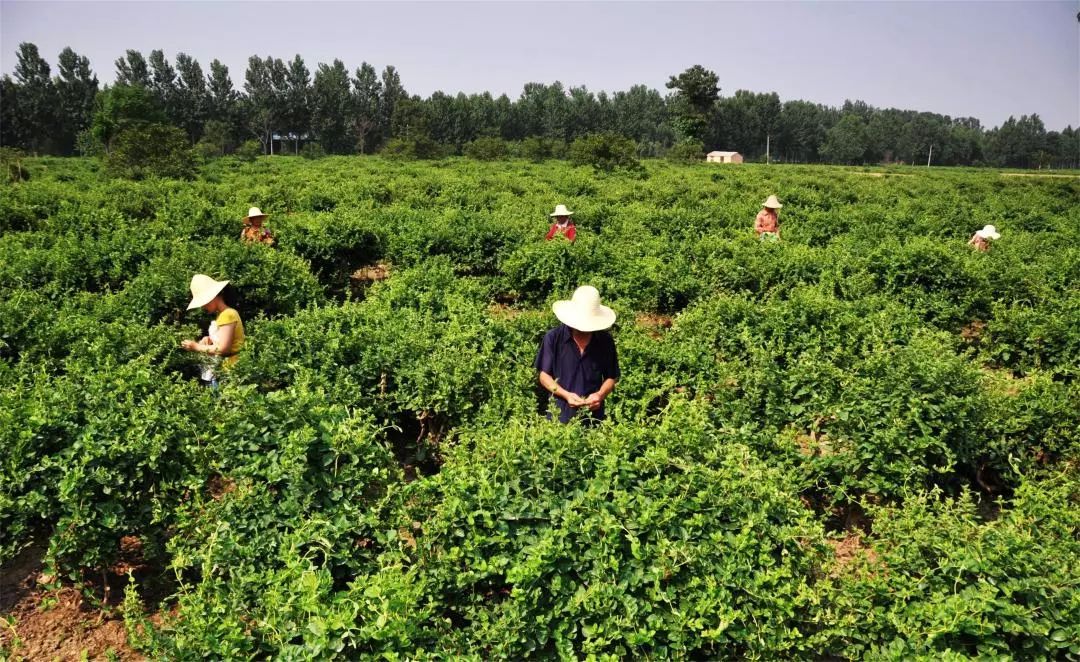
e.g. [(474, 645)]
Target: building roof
[(722, 153)]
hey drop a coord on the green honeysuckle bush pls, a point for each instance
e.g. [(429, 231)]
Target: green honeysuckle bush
[(860, 442)]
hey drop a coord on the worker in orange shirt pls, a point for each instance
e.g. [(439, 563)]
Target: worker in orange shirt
[(767, 223)]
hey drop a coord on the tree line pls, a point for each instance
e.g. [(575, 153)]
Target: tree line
[(284, 106)]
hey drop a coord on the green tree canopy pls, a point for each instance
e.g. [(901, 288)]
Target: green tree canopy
[(132, 69), (298, 110), (332, 107), (192, 99), (37, 99), (121, 107), (76, 89), (696, 91), (846, 142)]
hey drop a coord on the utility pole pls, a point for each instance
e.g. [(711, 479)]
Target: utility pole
[(767, 136), (928, 157)]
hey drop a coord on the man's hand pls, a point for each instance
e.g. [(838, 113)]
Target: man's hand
[(575, 400), (594, 402)]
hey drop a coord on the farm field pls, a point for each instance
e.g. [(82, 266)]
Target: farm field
[(860, 442)]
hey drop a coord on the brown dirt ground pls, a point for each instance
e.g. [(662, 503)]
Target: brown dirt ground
[(504, 311), (219, 486), (848, 551), (58, 624), (370, 274), (815, 442), (653, 323), (814, 445), (407, 536), (973, 331)]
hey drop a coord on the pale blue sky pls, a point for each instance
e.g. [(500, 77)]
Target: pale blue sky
[(983, 59)]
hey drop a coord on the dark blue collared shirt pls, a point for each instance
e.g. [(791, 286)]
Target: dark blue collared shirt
[(576, 372)]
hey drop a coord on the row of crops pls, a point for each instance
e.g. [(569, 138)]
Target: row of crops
[(860, 442)]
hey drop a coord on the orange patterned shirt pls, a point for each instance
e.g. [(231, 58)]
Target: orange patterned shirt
[(766, 221), (257, 234)]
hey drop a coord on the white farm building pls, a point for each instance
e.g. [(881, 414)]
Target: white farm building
[(723, 157)]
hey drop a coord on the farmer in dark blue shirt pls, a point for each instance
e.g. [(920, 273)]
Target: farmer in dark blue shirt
[(577, 362)]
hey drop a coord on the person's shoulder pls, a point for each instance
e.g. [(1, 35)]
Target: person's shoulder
[(228, 316), (556, 332)]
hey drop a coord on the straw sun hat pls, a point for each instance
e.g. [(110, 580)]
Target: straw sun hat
[(561, 210), (583, 311), (772, 203), (989, 232), (254, 212), (204, 289)]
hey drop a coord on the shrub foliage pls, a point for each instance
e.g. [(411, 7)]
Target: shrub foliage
[(151, 150), (860, 442)]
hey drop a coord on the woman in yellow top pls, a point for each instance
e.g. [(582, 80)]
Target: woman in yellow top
[(226, 335)]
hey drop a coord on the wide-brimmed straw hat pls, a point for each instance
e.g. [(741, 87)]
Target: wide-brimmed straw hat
[(989, 232), (254, 212), (772, 203), (204, 289), (561, 210), (583, 311)]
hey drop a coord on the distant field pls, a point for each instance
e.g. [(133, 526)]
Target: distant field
[(1041, 174), (860, 442)]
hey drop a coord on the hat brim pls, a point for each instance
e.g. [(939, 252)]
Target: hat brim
[(575, 318), (776, 206), (554, 214), (986, 235), (207, 296)]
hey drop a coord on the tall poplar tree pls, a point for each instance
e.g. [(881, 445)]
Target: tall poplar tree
[(37, 100), (332, 107), (76, 89), (297, 101), (367, 91), (132, 69), (192, 97)]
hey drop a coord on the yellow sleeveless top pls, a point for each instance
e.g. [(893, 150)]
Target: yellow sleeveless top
[(230, 316)]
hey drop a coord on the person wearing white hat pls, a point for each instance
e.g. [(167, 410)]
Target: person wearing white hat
[(767, 223), (226, 335), (982, 238), (562, 225), (253, 231), (577, 361)]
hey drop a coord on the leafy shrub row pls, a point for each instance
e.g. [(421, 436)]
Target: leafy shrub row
[(869, 385)]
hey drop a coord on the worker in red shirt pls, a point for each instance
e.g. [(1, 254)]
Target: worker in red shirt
[(562, 225), (767, 223)]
